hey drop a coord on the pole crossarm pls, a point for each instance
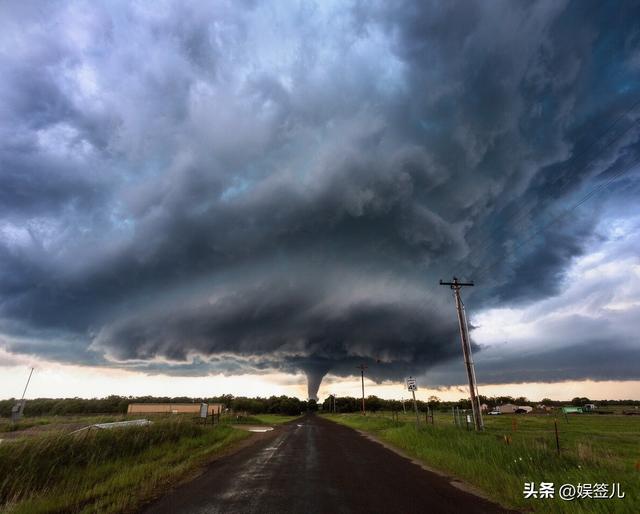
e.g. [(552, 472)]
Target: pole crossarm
[(456, 284)]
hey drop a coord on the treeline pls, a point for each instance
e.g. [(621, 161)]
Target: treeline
[(374, 404), (118, 404), (273, 405)]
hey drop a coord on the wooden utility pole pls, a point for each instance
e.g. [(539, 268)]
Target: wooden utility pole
[(415, 408), (18, 408), (466, 351), (362, 367)]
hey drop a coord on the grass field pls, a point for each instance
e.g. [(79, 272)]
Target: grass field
[(518, 449), (104, 470), (46, 423)]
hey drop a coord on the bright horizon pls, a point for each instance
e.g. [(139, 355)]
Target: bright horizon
[(79, 381)]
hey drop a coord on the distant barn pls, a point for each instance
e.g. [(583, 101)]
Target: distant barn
[(172, 408), (510, 408)]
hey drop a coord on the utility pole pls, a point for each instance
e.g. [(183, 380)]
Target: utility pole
[(18, 408), (27, 385), (362, 367), (466, 350)]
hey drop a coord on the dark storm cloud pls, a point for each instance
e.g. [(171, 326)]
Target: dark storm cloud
[(256, 187), (573, 362)]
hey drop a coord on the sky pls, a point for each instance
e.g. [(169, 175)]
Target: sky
[(255, 198)]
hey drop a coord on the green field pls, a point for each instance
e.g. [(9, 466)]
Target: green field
[(54, 423), (44, 468), (518, 449)]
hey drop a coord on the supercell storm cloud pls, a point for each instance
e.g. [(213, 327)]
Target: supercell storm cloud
[(190, 188)]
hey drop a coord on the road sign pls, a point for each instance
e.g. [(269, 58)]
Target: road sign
[(412, 384), (204, 408)]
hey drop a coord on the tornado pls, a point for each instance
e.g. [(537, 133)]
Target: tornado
[(314, 379)]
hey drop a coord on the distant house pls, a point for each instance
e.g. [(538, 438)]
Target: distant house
[(589, 407), (172, 408), (507, 408), (510, 408)]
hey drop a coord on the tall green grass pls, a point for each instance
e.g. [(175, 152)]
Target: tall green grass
[(500, 460), (103, 470), (43, 421)]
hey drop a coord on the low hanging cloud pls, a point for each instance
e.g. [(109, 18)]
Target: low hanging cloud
[(247, 186)]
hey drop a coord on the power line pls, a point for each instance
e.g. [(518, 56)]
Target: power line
[(483, 270), (488, 243)]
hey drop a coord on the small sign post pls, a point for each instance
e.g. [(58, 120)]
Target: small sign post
[(204, 410), (412, 385)]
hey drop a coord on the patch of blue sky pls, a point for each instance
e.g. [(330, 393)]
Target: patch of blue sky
[(239, 186), (120, 222), (390, 71)]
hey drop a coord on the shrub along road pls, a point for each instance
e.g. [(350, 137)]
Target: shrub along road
[(313, 465)]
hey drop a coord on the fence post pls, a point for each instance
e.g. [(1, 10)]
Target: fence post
[(555, 425)]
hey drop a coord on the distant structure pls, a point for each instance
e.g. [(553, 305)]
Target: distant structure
[(510, 408), (172, 408)]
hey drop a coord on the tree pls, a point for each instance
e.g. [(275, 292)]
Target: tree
[(374, 404), (579, 401), (433, 402)]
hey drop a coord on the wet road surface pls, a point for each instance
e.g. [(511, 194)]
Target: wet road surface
[(316, 466)]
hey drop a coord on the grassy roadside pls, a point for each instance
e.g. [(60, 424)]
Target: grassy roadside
[(107, 470), (6, 426), (594, 451)]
